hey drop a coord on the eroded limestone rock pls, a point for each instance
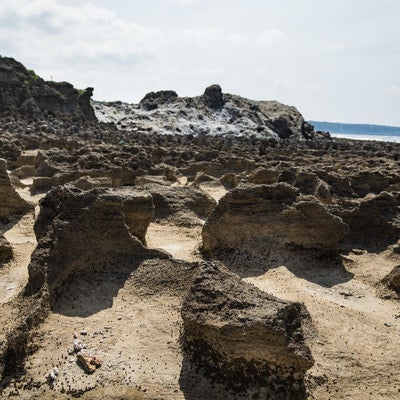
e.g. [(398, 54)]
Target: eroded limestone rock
[(244, 337), (259, 218), (82, 230), (11, 203)]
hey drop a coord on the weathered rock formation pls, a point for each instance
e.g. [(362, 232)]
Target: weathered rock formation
[(213, 113), (213, 96), (6, 252), (257, 219), (182, 205), (11, 203), (374, 221), (22, 91), (153, 99), (244, 337), (88, 230), (392, 281)]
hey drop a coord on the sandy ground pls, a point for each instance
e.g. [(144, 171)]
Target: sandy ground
[(136, 334)]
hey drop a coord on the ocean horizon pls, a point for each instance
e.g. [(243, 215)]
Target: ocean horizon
[(381, 133)]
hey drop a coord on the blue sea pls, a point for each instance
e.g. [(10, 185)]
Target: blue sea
[(359, 131), (360, 136)]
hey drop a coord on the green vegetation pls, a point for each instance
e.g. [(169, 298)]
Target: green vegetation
[(33, 74)]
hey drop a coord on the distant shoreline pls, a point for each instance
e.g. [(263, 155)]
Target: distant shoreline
[(359, 131)]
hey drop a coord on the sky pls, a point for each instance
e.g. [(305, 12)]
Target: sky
[(335, 61)]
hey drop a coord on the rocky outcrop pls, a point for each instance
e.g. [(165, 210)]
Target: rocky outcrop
[(6, 252), (374, 221), (23, 92), (213, 97), (88, 230), (257, 219), (212, 114), (181, 205), (154, 99), (11, 203), (244, 337)]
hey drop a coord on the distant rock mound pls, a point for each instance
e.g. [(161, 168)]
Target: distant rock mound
[(213, 96), (11, 203), (258, 219), (240, 335), (88, 230), (23, 92), (213, 113), (154, 99)]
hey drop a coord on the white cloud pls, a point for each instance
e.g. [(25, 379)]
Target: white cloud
[(85, 34), (182, 2), (269, 38), (392, 89)]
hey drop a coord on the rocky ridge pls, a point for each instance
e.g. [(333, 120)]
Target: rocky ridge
[(213, 113)]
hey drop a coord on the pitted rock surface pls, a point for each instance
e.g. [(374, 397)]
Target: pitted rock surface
[(243, 336)]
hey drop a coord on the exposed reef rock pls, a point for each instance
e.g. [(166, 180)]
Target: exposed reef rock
[(24, 92), (6, 252), (11, 203), (87, 230), (182, 205), (391, 282), (258, 219), (244, 337), (374, 221)]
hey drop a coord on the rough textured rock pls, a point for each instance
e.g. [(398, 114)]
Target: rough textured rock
[(213, 96), (242, 336), (84, 230), (212, 114), (392, 280), (88, 363), (374, 221), (11, 203), (182, 205), (153, 99), (262, 175), (6, 252), (22, 91), (259, 218)]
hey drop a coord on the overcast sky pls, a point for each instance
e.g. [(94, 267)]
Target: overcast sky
[(334, 60)]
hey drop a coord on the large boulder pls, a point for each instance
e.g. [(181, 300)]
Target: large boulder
[(213, 96), (88, 230), (257, 219), (244, 337), (11, 203)]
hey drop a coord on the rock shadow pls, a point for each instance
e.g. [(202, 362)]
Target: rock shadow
[(197, 383), (89, 292), (323, 270)]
